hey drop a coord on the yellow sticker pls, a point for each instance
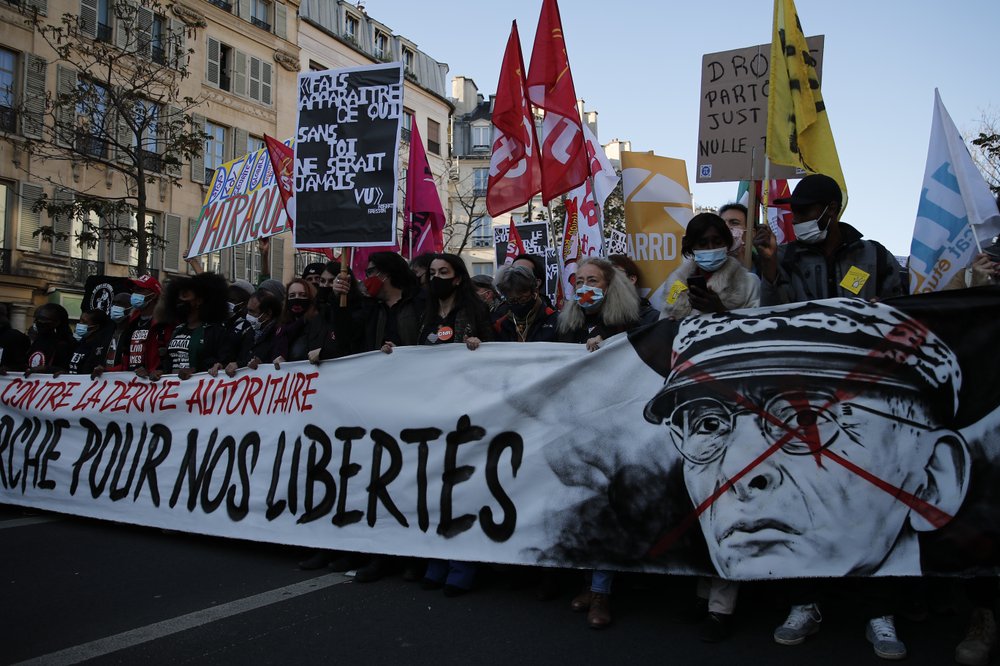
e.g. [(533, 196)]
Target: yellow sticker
[(675, 290), (855, 280)]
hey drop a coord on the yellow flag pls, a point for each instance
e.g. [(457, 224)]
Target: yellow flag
[(798, 128)]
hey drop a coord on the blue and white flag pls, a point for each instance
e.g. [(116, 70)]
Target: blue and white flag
[(956, 208)]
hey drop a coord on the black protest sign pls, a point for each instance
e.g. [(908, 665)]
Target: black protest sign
[(100, 290), (346, 145), (535, 238), (733, 117)]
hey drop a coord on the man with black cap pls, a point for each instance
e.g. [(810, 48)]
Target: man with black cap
[(828, 258)]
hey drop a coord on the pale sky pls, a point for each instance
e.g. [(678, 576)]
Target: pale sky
[(639, 65)]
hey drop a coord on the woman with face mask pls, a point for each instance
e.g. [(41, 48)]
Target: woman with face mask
[(604, 304), (291, 341), (52, 343), (263, 316), (528, 318), (709, 280), (454, 313), (199, 341), (93, 333)]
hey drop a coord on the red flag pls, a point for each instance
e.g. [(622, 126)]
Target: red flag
[(282, 162), (550, 87), (515, 173), (515, 246), (423, 216), (779, 216)]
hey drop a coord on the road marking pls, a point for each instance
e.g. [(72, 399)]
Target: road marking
[(24, 522), (157, 630)]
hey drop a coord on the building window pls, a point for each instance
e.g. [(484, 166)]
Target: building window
[(93, 126), (104, 20), (481, 136), (408, 57), (351, 28), (480, 179), (482, 232), (433, 136), (316, 67), (215, 149), (8, 116), (381, 46), (482, 268), (254, 143), (260, 14), (260, 80), (147, 119), (84, 251), (6, 196), (158, 40), (407, 124), (219, 69)]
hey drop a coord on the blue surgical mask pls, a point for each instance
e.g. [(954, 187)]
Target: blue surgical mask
[(137, 300), (589, 297), (80, 331), (253, 321), (710, 260), (118, 313)]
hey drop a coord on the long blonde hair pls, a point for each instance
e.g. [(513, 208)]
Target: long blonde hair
[(620, 307)]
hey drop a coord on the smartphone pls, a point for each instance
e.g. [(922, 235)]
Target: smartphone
[(698, 281)]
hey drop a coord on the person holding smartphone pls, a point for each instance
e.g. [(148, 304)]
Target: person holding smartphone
[(709, 280)]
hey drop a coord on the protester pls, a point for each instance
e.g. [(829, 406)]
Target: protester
[(829, 258), (605, 303), (94, 333), (536, 265), (274, 288), (291, 343), (53, 343), (263, 316), (236, 326), (736, 216), (487, 293), (421, 266), (527, 319), (13, 343), (329, 333), (647, 313), (453, 314), (148, 330), (984, 269), (115, 352), (392, 314), (312, 273), (727, 285), (199, 342)]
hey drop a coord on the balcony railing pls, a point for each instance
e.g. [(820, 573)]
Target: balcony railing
[(8, 119), (479, 191), (209, 174), (222, 4), (81, 269), (158, 54), (151, 161), (404, 134), (91, 145), (482, 242), (263, 25), (5, 264), (103, 32)]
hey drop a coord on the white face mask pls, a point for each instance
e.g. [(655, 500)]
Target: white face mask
[(809, 232), (253, 321)]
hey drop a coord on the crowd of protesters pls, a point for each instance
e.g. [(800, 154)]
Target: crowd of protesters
[(203, 323)]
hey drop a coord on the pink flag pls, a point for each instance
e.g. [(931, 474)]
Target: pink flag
[(550, 87), (423, 216), (515, 173), (515, 245)]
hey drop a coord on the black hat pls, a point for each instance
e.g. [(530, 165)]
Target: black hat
[(814, 189), (313, 269)]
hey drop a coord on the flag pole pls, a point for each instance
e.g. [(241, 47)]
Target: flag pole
[(345, 271)]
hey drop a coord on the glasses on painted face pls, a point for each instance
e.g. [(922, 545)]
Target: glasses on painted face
[(808, 422)]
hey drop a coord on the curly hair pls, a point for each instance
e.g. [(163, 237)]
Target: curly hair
[(621, 302), (211, 288)]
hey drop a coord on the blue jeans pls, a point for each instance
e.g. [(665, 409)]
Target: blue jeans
[(600, 581), (456, 574)]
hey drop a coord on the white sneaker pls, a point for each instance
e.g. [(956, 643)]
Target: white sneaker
[(881, 633), (802, 621)]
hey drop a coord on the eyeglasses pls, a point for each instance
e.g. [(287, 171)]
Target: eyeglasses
[(370, 271), (703, 428), (523, 300)]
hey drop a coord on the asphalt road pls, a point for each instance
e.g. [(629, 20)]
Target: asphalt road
[(75, 589)]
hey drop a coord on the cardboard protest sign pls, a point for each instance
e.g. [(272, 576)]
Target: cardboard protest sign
[(535, 236), (346, 156), (733, 116), (658, 207), (243, 204), (680, 449)]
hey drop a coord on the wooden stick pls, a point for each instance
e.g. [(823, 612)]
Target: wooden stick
[(345, 271)]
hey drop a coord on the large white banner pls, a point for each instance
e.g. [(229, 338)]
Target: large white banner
[(956, 207), (831, 438)]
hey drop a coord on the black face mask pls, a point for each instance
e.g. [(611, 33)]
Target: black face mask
[(183, 310), (442, 287), (324, 294), (521, 310), (298, 306)]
